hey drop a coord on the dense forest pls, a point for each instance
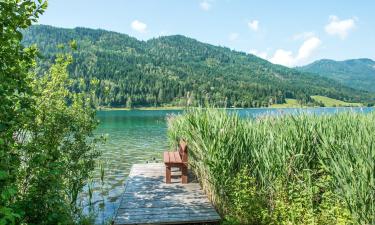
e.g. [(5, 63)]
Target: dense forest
[(355, 73), (176, 70)]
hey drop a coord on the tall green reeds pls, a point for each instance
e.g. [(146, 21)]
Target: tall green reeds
[(307, 169)]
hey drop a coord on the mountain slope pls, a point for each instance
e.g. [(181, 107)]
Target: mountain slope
[(355, 73), (177, 70)]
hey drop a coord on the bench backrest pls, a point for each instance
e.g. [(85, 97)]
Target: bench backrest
[(182, 150)]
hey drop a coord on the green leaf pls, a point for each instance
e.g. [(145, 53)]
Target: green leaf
[(3, 175)]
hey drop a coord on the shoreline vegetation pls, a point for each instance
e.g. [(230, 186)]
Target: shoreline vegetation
[(182, 108), (289, 103), (290, 169)]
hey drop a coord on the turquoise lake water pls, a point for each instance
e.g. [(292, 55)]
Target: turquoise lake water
[(141, 136)]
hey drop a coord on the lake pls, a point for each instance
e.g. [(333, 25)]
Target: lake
[(140, 136)]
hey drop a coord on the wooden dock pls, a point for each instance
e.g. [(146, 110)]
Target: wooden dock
[(149, 200)]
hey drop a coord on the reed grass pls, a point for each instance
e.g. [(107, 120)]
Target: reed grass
[(308, 169)]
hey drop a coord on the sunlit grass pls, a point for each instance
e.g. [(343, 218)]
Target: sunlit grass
[(331, 102), (289, 103)]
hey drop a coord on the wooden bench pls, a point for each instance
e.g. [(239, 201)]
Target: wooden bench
[(177, 159)]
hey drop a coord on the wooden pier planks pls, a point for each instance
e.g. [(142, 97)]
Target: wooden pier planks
[(149, 200)]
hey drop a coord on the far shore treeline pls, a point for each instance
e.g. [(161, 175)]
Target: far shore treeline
[(179, 71)]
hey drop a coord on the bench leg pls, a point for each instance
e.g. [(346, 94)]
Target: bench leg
[(168, 174), (184, 175)]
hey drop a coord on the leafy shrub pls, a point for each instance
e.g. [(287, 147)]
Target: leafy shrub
[(58, 149), (47, 147), (245, 204)]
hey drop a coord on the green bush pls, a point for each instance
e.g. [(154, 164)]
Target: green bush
[(246, 205), (58, 149), (15, 95), (47, 146)]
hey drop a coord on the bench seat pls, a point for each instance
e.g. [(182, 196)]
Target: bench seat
[(177, 159), (172, 157)]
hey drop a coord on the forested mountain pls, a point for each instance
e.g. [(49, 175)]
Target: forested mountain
[(355, 73), (176, 70)]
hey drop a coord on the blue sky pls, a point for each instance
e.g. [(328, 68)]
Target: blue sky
[(285, 32)]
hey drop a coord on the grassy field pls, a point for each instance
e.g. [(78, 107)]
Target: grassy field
[(290, 103), (327, 102), (290, 169), (330, 102)]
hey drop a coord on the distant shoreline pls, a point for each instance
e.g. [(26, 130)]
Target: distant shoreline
[(141, 108), (182, 108)]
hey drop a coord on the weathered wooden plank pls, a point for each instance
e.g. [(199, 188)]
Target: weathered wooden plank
[(177, 214), (149, 200), (177, 157), (166, 157), (172, 209), (161, 204), (162, 190), (172, 157), (165, 220), (167, 194)]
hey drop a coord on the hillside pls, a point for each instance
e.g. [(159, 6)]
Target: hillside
[(330, 102), (355, 73), (176, 70)]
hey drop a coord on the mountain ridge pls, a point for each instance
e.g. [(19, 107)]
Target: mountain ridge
[(356, 73), (176, 70)]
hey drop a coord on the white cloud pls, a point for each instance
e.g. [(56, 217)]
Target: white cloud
[(253, 25), (260, 54), (307, 48), (286, 58), (139, 26), (339, 27), (283, 57), (233, 36), (205, 5)]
